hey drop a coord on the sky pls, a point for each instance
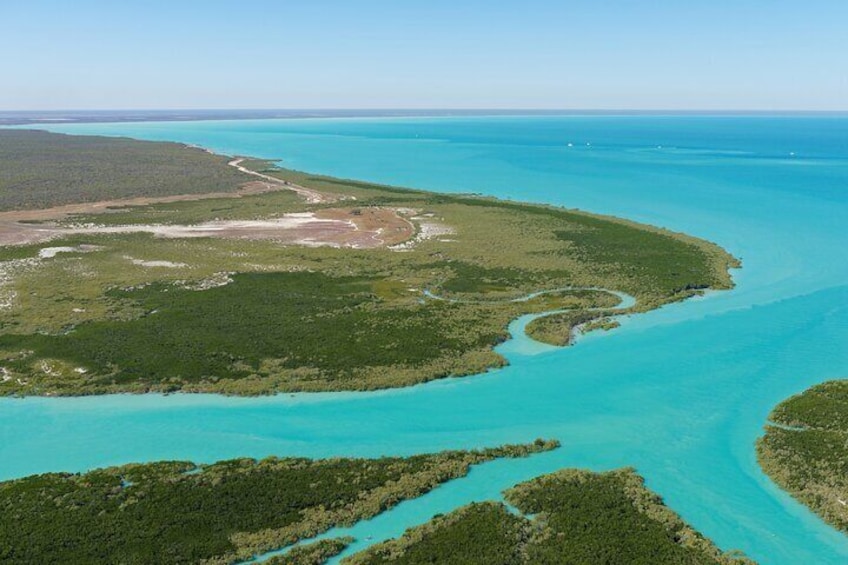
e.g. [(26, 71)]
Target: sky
[(528, 54)]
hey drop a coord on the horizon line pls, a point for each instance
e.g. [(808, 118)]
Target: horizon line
[(35, 118), (421, 109)]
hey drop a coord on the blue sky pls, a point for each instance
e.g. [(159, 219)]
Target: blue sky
[(601, 54)]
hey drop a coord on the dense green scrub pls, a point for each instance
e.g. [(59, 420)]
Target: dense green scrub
[(40, 169), (805, 449), (315, 553), (176, 512), (250, 317), (479, 533), (558, 329), (292, 331), (574, 517)]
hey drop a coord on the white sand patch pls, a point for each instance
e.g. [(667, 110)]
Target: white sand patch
[(205, 229), (165, 264), (50, 252), (427, 229), (226, 228), (5, 375), (310, 242), (258, 267)]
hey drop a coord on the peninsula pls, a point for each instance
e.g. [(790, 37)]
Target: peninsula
[(132, 266)]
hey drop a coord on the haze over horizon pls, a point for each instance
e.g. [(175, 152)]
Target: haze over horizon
[(378, 54)]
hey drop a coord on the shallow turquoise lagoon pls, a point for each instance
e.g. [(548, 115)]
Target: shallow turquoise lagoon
[(680, 393)]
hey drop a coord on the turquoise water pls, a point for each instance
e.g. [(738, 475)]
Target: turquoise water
[(680, 393)]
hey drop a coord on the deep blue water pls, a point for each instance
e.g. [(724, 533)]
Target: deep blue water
[(680, 394)]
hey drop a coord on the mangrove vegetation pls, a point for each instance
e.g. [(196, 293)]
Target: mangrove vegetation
[(805, 449), (179, 512), (571, 516)]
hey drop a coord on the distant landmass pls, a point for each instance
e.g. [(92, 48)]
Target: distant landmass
[(34, 117)]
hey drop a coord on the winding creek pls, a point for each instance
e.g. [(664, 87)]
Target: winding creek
[(521, 343), (680, 393)]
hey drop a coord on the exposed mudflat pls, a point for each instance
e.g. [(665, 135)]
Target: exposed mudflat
[(20, 227), (335, 227)]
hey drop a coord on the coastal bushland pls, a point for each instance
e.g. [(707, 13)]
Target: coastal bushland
[(315, 553), (805, 449), (40, 169), (570, 516), (179, 512)]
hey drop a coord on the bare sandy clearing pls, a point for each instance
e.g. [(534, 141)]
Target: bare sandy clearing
[(165, 264), (21, 227), (50, 252), (427, 229), (335, 227), (359, 228)]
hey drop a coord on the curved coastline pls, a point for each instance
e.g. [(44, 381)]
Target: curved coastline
[(803, 449), (834, 543), (520, 343), (536, 245)]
